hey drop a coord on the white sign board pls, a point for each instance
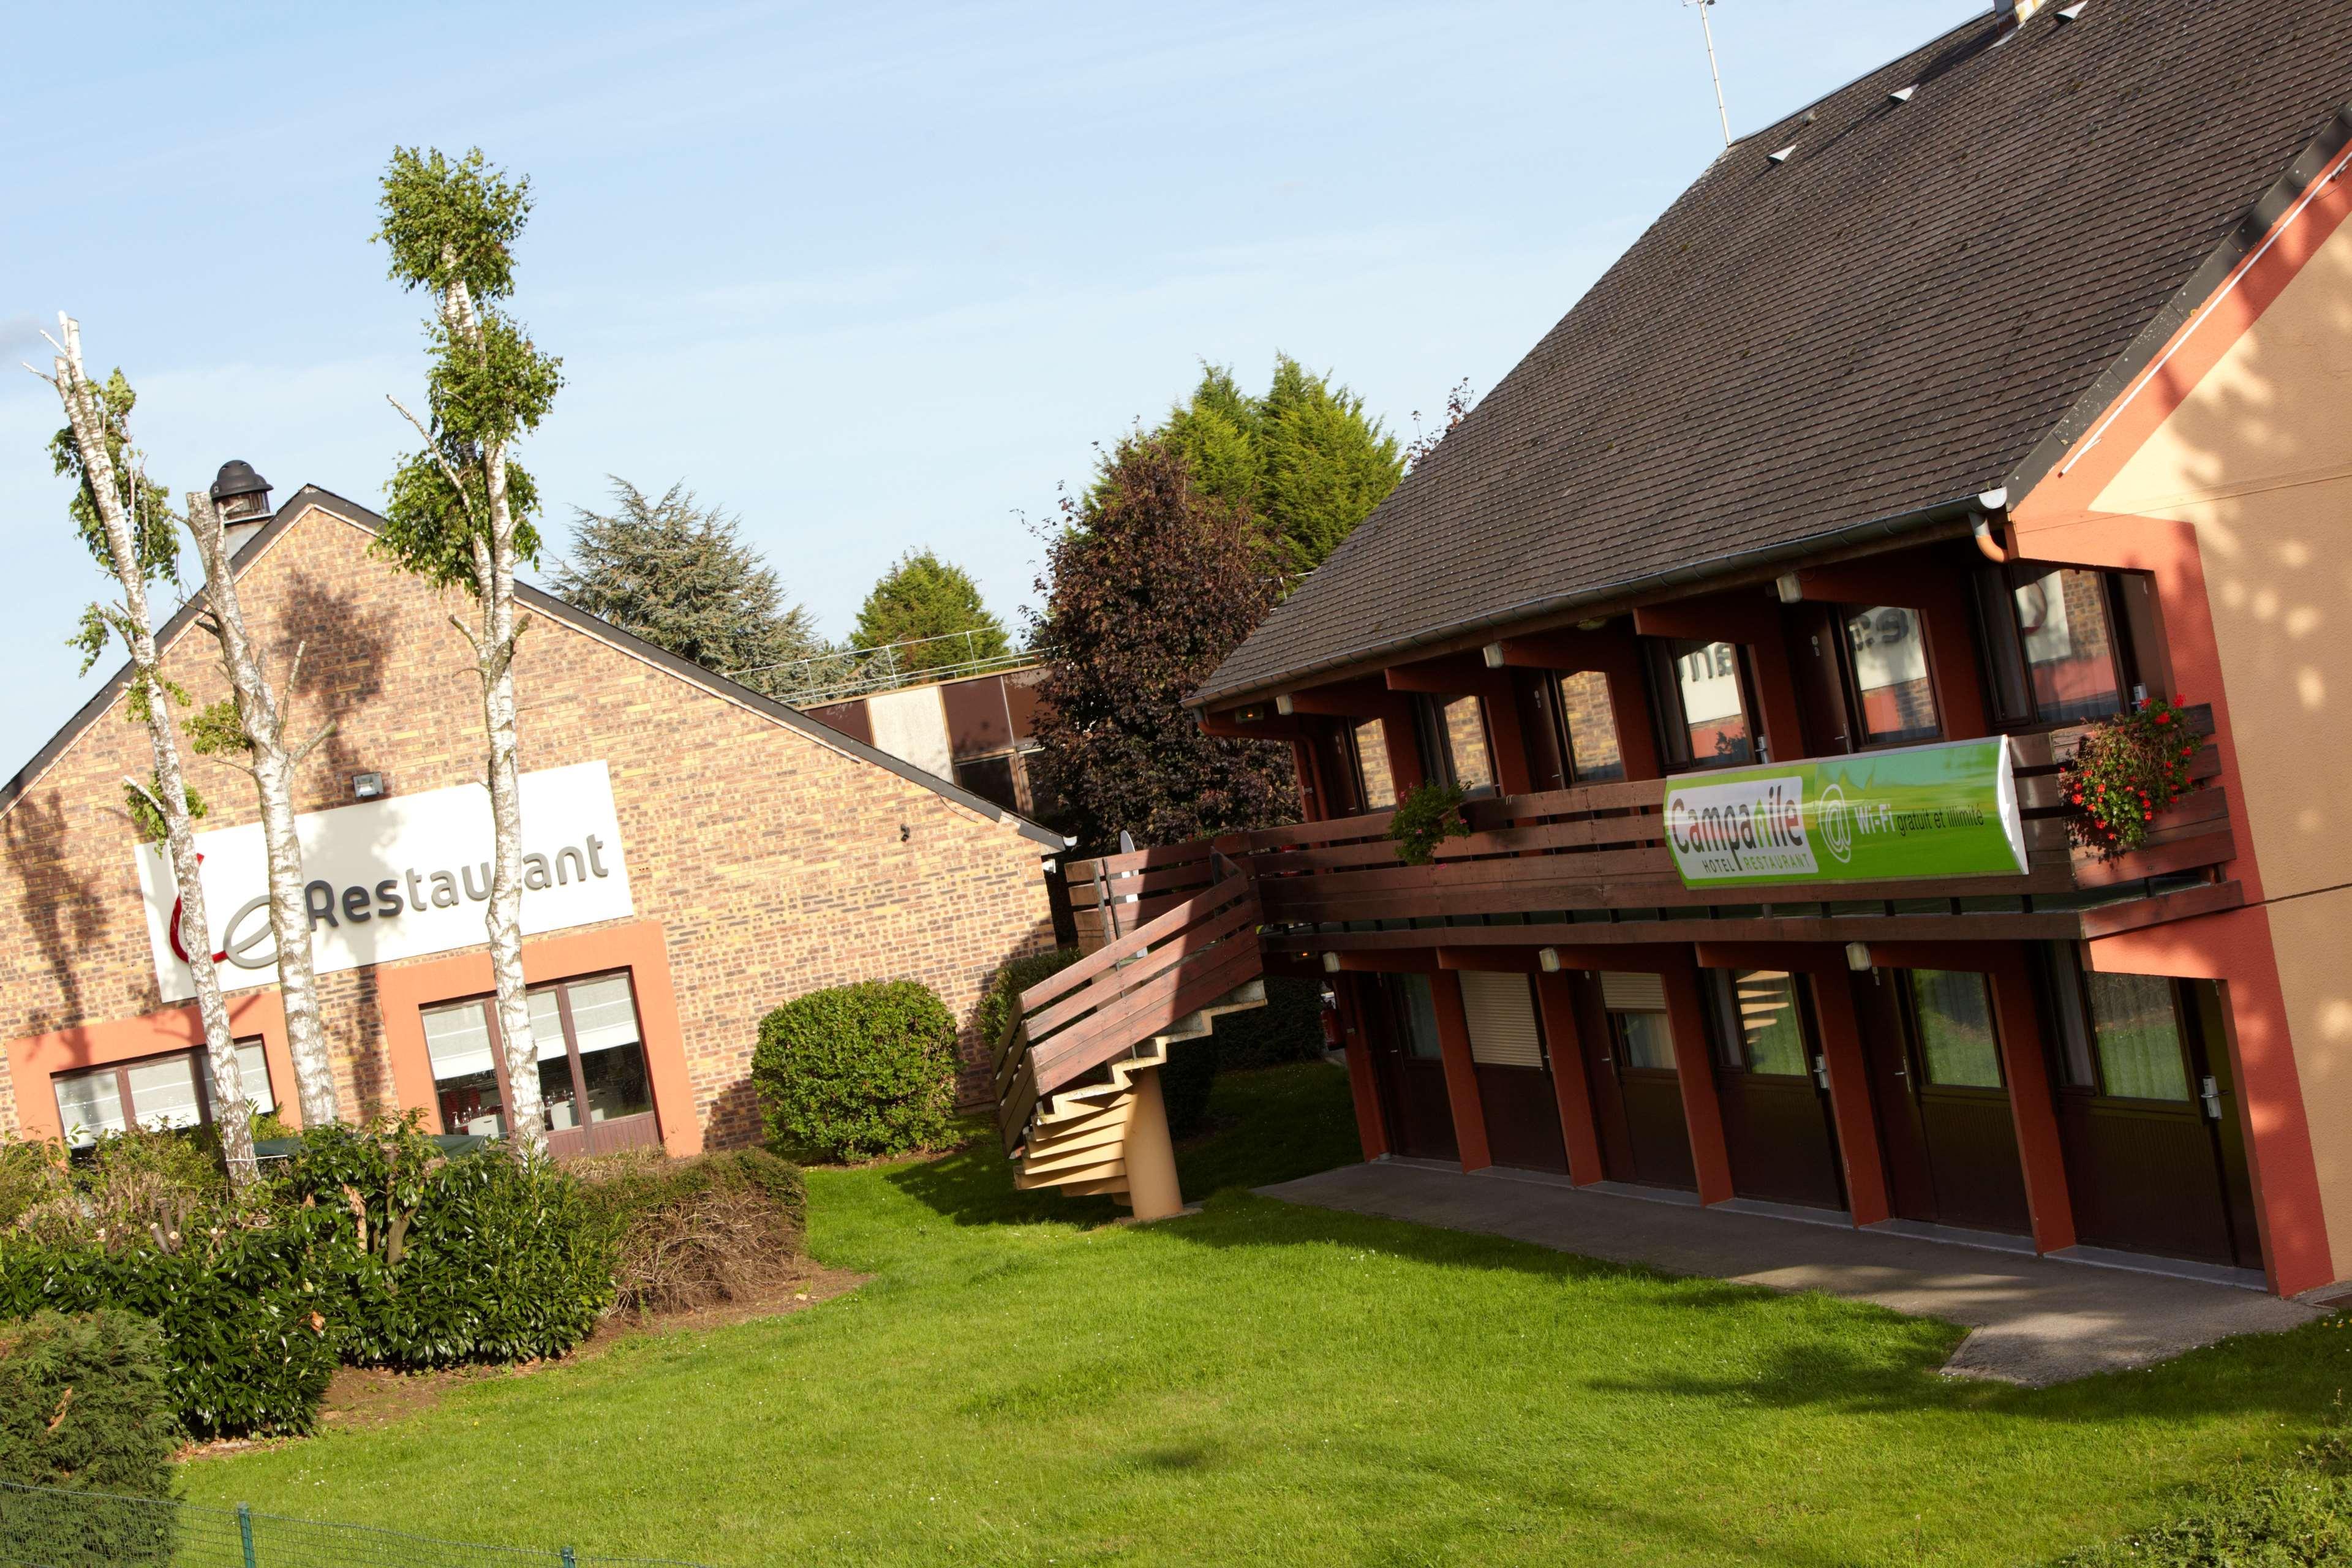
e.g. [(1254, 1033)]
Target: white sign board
[(398, 879)]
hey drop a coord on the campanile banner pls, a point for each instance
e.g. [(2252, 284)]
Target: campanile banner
[(398, 879), (1942, 810)]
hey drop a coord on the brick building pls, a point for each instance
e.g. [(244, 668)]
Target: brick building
[(700, 855)]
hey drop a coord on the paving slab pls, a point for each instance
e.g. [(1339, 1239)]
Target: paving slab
[(2031, 1320)]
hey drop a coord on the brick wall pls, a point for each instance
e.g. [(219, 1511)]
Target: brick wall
[(776, 864)]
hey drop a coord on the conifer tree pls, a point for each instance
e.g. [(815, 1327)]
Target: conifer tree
[(935, 604)]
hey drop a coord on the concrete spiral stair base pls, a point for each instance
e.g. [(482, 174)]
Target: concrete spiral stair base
[(1085, 1139)]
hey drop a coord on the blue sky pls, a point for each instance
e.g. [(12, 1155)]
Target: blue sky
[(876, 278)]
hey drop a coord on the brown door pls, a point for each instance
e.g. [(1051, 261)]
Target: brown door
[(1411, 1067), (1944, 1117), (1773, 1087), (2155, 1159), (1511, 1060), (1813, 633), (1638, 1058)]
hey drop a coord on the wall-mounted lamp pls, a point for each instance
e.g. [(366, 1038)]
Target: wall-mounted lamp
[(369, 787), (1330, 963), (1857, 957), (1548, 958)]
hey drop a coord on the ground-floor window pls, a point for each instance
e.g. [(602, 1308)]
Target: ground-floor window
[(1636, 1005), (1956, 1034), (154, 1092), (592, 1078)]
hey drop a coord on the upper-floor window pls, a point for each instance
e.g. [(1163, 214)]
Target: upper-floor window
[(1368, 743), (1703, 705), (2055, 642), (1588, 728), (1453, 734), (1887, 651)]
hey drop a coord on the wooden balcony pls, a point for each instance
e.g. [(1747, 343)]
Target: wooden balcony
[(1591, 866)]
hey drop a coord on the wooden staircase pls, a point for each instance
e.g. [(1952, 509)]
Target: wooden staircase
[(1077, 1072)]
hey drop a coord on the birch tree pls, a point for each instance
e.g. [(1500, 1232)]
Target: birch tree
[(459, 507), (116, 512), (255, 730)]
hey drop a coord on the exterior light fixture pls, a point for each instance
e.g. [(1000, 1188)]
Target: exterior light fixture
[(1330, 963), (1789, 589), (1857, 957), (369, 787), (1548, 957)]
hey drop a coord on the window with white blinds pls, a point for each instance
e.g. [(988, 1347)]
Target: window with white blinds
[(1632, 993), (1502, 1012)]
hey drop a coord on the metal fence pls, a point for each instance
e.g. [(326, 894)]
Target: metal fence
[(45, 1527)]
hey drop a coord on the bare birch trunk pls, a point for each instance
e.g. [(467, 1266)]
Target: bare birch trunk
[(494, 647), (263, 718), (86, 414)]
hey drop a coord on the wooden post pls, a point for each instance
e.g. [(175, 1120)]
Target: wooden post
[(1461, 1072), (2024, 1062), (1556, 996), (1866, 1194), (1695, 1074), (1149, 1154)]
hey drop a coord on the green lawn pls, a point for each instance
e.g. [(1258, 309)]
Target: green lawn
[(1023, 1384)]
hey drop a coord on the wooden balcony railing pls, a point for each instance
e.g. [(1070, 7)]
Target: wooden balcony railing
[(1579, 852)]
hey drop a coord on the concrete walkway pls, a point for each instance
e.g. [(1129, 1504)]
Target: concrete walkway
[(2033, 1320)]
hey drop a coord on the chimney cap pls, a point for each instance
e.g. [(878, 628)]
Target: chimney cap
[(236, 478)]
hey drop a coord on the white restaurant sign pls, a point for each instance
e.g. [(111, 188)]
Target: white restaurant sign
[(398, 879)]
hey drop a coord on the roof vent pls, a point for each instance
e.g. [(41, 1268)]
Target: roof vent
[(2071, 12), (1903, 94), (1784, 154), (2015, 12), (242, 497)]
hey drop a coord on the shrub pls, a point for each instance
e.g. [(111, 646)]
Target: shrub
[(32, 1172), (252, 1310), (1288, 1028), (996, 1011), (856, 1071), (84, 1402), (2297, 1515), (84, 1405), (486, 1256), (692, 1232)]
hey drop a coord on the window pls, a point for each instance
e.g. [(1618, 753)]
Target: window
[(1637, 1019), (1956, 1037), (1501, 1010), (1414, 1006), (1762, 1032), (1888, 649), (156, 1092), (2058, 652), (1454, 731), (1588, 728), (1703, 704), (1371, 749), (2120, 1034), (991, 778), (592, 1061)]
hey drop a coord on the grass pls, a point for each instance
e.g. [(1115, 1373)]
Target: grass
[(1021, 1382)]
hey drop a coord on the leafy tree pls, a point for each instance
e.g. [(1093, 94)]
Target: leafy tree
[(924, 596), (459, 509), (122, 504), (1152, 584), (1302, 458), (677, 574)]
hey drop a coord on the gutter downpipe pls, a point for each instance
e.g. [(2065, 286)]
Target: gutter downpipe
[(1971, 508)]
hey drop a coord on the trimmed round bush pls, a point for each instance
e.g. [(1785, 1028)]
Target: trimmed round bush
[(1018, 974), (857, 1072)]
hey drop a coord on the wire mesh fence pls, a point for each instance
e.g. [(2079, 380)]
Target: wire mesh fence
[(45, 1527)]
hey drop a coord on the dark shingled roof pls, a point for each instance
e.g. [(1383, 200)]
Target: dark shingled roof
[(1923, 303)]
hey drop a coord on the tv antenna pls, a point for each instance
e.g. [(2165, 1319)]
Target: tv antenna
[(1706, 30)]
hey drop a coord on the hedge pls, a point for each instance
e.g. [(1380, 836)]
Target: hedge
[(84, 1404), (995, 1010), (856, 1071)]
